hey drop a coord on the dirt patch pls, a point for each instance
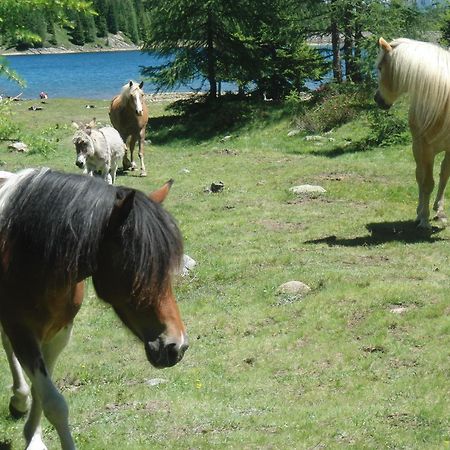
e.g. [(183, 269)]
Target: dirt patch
[(275, 225)]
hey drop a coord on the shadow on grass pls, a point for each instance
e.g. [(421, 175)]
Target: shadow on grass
[(5, 445), (384, 232), (353, 147), (202, 120)]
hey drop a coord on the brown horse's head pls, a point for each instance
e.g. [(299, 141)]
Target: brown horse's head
[(141, 249), (136, 96)]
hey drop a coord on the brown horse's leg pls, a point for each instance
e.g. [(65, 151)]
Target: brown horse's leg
[(443, 178), (132, 144), (424, 176), (45, 397), (141, 152), (19, 403), (126, 163)]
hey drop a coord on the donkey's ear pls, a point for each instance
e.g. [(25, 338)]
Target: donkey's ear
[(141, 85), (121, 209), (75, 125), (92, 123), (384, 45), (130, 83), (160, 194)]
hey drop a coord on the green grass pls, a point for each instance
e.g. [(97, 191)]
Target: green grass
[(336, 369)]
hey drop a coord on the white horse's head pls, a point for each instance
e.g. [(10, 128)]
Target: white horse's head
[(386, 93)]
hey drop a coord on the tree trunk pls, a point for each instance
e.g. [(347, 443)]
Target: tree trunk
[(336, 44), (211, 57)]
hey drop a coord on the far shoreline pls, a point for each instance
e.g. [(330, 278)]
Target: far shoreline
[(63, 50)]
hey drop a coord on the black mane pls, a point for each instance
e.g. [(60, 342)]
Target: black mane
[(53, 224)]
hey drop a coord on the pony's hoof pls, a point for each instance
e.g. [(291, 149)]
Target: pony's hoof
[(143, 174), (15, 413)]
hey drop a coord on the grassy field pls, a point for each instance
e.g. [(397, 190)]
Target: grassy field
[(360, 362)]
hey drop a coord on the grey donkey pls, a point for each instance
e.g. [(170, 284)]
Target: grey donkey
[(98, 149)]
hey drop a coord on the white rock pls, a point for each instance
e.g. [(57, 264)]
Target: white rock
[(294, 288), (18, 147), (307, 189), (156, 381), (293, 132), (187, 265), (314, 137)]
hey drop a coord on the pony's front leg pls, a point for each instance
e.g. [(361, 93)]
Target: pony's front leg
[(424, 177), (46, 397), (443, 178), (141, 152), (20, 401)]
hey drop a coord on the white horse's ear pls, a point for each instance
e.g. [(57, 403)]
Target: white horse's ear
[(141, 85), (384, 45)]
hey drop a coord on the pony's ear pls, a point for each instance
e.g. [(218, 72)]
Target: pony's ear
[(384, 45), (141, 85), (121, 209), (160, 194)]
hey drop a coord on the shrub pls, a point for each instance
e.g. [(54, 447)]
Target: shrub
[(388, 128), (331, 106)]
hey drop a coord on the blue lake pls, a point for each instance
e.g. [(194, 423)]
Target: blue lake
[(98, 75)]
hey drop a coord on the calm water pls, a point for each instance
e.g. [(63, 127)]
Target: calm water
[(98, 75), (79, 75)]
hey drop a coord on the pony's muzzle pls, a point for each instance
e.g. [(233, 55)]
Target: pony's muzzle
[(166, 354), (379, 100)]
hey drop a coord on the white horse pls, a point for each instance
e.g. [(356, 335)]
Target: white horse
[(98, 150), (422, 70)]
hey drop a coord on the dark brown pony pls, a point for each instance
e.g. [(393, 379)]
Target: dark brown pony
[(56, 230), (129, 116)]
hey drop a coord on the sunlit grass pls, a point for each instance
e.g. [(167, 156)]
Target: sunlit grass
[(339, 368)]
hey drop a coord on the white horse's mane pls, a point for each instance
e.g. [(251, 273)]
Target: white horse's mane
[(423, 70)]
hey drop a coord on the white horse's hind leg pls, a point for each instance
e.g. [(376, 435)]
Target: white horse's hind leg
[(443, 178), (19, 403), (46, 398)]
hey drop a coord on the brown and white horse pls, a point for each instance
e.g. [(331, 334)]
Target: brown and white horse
[(422, 70), (128, 113), (56, 230)]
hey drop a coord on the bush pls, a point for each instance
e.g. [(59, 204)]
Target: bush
[(388, 128), (8, 129), (330, 106)]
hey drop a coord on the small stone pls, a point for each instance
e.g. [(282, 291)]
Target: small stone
[(294, 288), (307, 189), (293, 132), (187, 265), (314, 137), (216, 186), (226, 138), (18, 147), (156, 381)]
